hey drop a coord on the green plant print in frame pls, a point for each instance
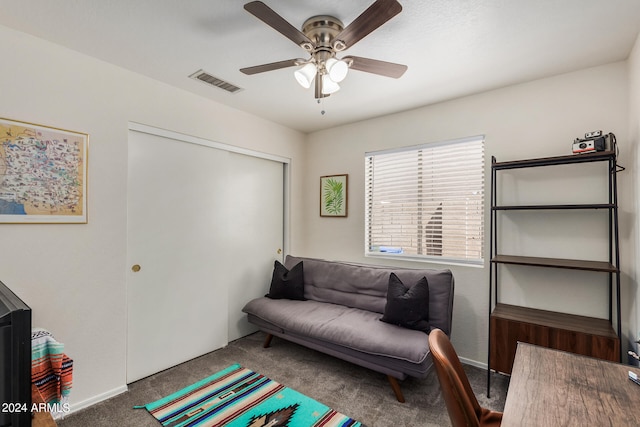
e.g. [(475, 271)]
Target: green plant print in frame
[(333, 195)]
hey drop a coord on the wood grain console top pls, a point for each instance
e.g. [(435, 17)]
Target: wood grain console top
[(554, 388)]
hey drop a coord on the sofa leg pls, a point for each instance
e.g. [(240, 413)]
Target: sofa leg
[(267, 341), (396, 388)]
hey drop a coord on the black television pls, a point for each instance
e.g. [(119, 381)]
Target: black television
[(15, 360)]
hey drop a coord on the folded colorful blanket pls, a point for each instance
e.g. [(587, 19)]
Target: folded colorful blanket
[(51, 369)]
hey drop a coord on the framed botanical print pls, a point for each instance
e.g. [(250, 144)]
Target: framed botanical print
[(333, 195)]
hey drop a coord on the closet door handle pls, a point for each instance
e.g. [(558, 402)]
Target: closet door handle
[(135, 268)]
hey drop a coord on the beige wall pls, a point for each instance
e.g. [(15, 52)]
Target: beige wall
[(73, 276), (536, 119)]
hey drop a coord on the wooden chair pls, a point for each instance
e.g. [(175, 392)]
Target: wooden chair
[(462, 405)]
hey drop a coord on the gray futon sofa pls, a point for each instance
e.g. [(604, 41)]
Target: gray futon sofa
[(341, 311)]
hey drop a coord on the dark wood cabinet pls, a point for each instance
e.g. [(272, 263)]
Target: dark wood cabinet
[(509, 324)]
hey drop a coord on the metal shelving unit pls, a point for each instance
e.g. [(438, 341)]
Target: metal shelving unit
[(576, 324)]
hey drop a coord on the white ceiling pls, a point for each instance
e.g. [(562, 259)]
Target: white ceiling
[(452, 47)]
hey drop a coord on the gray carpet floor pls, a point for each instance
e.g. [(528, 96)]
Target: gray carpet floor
[(357, 392)]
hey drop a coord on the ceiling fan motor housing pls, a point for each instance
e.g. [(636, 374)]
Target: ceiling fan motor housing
[(322, 30)]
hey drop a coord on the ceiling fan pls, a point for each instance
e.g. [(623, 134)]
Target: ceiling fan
[(323, 37)]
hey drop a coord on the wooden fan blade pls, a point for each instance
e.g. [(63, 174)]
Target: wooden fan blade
[(377, 14), (278, 23), (270, 67), (388, 69)]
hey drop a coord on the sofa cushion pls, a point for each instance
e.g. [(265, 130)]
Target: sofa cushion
[(286, 283), (353, 328), (365, 286), (407, 306)]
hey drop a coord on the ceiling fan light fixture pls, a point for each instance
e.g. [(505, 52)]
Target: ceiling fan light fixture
[(328, 85), (305, 75), (323, 36), (337, 69)]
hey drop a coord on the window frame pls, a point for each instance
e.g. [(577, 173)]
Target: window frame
[(481, 202)]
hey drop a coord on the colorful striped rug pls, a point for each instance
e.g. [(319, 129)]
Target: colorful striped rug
[(239, 397)]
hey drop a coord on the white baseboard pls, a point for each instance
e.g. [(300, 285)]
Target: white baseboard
[(473, 363), (78, 406)]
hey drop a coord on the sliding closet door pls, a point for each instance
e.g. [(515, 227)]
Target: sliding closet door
[(204, 228), (256, 198), (177, 303)]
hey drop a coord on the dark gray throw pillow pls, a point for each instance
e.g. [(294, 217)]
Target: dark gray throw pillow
[(287, 284), (407, 307)]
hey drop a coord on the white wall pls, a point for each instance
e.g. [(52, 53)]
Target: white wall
[(536, 119), (73, 276), (634, 141)]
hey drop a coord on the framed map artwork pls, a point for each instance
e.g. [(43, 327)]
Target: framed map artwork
[(43, 174)]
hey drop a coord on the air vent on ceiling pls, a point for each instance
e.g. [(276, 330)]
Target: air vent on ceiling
[(207, 78)]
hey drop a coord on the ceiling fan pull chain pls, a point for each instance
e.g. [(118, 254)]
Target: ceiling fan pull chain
[(322, 111)]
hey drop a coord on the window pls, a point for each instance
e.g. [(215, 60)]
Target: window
[(426, 201)]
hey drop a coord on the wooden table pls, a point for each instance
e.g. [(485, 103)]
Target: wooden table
[(554, 388)]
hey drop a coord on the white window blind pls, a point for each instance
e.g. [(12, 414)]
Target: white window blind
[(426, 201)]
